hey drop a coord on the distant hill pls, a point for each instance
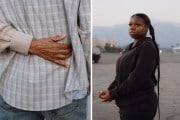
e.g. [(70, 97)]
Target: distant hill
[(167, 34)]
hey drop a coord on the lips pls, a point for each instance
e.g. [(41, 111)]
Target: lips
[(132, 33)]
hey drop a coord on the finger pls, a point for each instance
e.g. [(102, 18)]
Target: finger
[(54, 55), (61, 56), (103, 100), (100, 92), (103, 92), (59, 62), (65, 51), (100, 96), (65, 46), (103, 97), (56, 50), (58, 38)]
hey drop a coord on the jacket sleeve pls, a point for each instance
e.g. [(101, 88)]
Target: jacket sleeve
[(113, 84), (84, 20), (14, 40), (139, 76)]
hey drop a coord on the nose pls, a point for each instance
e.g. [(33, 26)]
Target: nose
[(132, 27)]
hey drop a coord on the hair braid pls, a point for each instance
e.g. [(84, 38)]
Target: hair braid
[(151, 31)]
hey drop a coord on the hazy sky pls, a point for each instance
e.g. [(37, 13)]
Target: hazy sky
[(112, 12)]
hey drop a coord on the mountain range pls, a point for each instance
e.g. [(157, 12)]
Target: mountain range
[(167, 34)]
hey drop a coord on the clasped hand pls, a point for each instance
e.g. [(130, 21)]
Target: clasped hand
[(104, 96)]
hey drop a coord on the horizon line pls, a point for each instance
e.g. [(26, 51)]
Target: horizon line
[(153, 21)]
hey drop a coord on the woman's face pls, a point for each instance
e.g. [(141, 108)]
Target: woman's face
[(137, 27)]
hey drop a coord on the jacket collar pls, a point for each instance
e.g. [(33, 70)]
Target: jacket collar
[(139, 42)]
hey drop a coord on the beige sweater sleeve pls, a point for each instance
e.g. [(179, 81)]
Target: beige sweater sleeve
[(15, 40)]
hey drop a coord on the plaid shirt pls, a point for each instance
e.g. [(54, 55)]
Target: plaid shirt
[(29, 82)]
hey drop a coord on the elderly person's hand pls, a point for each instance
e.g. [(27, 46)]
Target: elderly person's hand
[(49, 49)]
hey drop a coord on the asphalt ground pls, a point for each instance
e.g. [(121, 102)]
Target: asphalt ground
[(103, 75)]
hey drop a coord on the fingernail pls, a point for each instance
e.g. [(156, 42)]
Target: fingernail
[(67, 66), (64, 35)]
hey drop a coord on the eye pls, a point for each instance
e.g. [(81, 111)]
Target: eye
[(137, 25), (130, 24)]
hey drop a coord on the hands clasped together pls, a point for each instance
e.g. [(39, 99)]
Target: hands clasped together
[(105, 96), (49, 49)]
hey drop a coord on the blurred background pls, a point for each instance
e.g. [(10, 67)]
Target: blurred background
[(111, 17)]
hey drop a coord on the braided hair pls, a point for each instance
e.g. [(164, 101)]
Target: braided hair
[(151, 31)]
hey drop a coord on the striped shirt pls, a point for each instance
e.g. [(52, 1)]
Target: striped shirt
[(27, 81)]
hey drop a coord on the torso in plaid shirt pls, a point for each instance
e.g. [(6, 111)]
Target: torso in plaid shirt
[(29, 82)]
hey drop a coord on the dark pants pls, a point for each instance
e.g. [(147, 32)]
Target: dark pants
[(144, 110)]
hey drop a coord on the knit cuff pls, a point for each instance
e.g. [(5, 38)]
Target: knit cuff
[(20, 42), (113, 94)]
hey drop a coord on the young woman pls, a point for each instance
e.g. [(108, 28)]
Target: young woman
[(133, 87)]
